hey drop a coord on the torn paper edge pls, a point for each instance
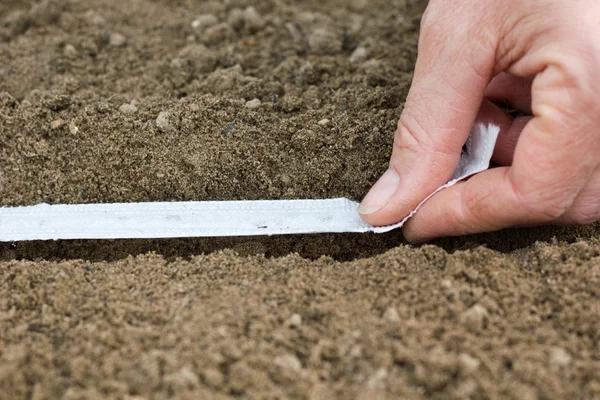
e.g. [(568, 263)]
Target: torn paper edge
[(475, 159), (216, 218)]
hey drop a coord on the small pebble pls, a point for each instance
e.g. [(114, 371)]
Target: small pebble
[(228, 130), (285, 179), (467, 363), (46, 12), (127, 109), (391, 315), (355, 352), (177, 63), (204, 21), (324, 41), (232, 352), (213, 377), (324, 122), (216, 34), (358, 54), (356, 24), (241, 377), (466, 389), (222, 330), (295, 31), (57, 103), (95, 18), (358, 5), (70, 51), (294, 321), (117, 40), (475, 318), (188, 376), (288, 362), (252, 19), (57, 123), (162, 122), (73, 129), (236, 18), (378, 378), (559, 357), (253, 104), (199, 56)]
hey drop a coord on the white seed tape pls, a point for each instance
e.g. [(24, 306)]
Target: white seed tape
[(214, 218)]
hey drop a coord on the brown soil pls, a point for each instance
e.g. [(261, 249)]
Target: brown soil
[(140, 100)]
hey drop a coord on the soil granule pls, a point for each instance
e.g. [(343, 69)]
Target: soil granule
[(119, 101)]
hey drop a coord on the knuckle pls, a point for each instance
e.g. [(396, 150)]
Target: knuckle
[(431, 15), (560, 90), (585, 216), (586, 209), (411, 136), (436, 22), (543, 205), (548, 212), (406, 139), (444, 19), (476, 202), (518, 29), (544, 209)]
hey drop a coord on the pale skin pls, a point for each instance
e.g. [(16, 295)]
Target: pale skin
[(541, 57)]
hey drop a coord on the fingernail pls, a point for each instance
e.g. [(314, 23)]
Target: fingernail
[(381, 193)]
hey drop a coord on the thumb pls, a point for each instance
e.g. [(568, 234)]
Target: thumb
[(454, 66)]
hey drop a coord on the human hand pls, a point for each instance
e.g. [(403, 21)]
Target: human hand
[(541, 57)]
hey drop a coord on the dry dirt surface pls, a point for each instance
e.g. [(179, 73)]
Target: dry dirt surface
[(157, 100)]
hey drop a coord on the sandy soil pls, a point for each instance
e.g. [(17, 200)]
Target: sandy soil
[(140, 100)]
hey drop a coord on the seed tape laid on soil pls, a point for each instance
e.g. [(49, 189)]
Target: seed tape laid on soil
[(216, 218)]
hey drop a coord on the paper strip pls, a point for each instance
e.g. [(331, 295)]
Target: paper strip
[(214, 218)]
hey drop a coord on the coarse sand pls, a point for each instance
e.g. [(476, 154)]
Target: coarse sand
[(158, 100)]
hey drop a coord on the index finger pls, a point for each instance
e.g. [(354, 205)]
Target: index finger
[(454, 66)]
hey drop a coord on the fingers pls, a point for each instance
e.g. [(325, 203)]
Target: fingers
[(453, 69), (484, 203), (510, 130), (554, 160), (485, 197), (516, 93), (586, 207), (511, 90), (508, 139)]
